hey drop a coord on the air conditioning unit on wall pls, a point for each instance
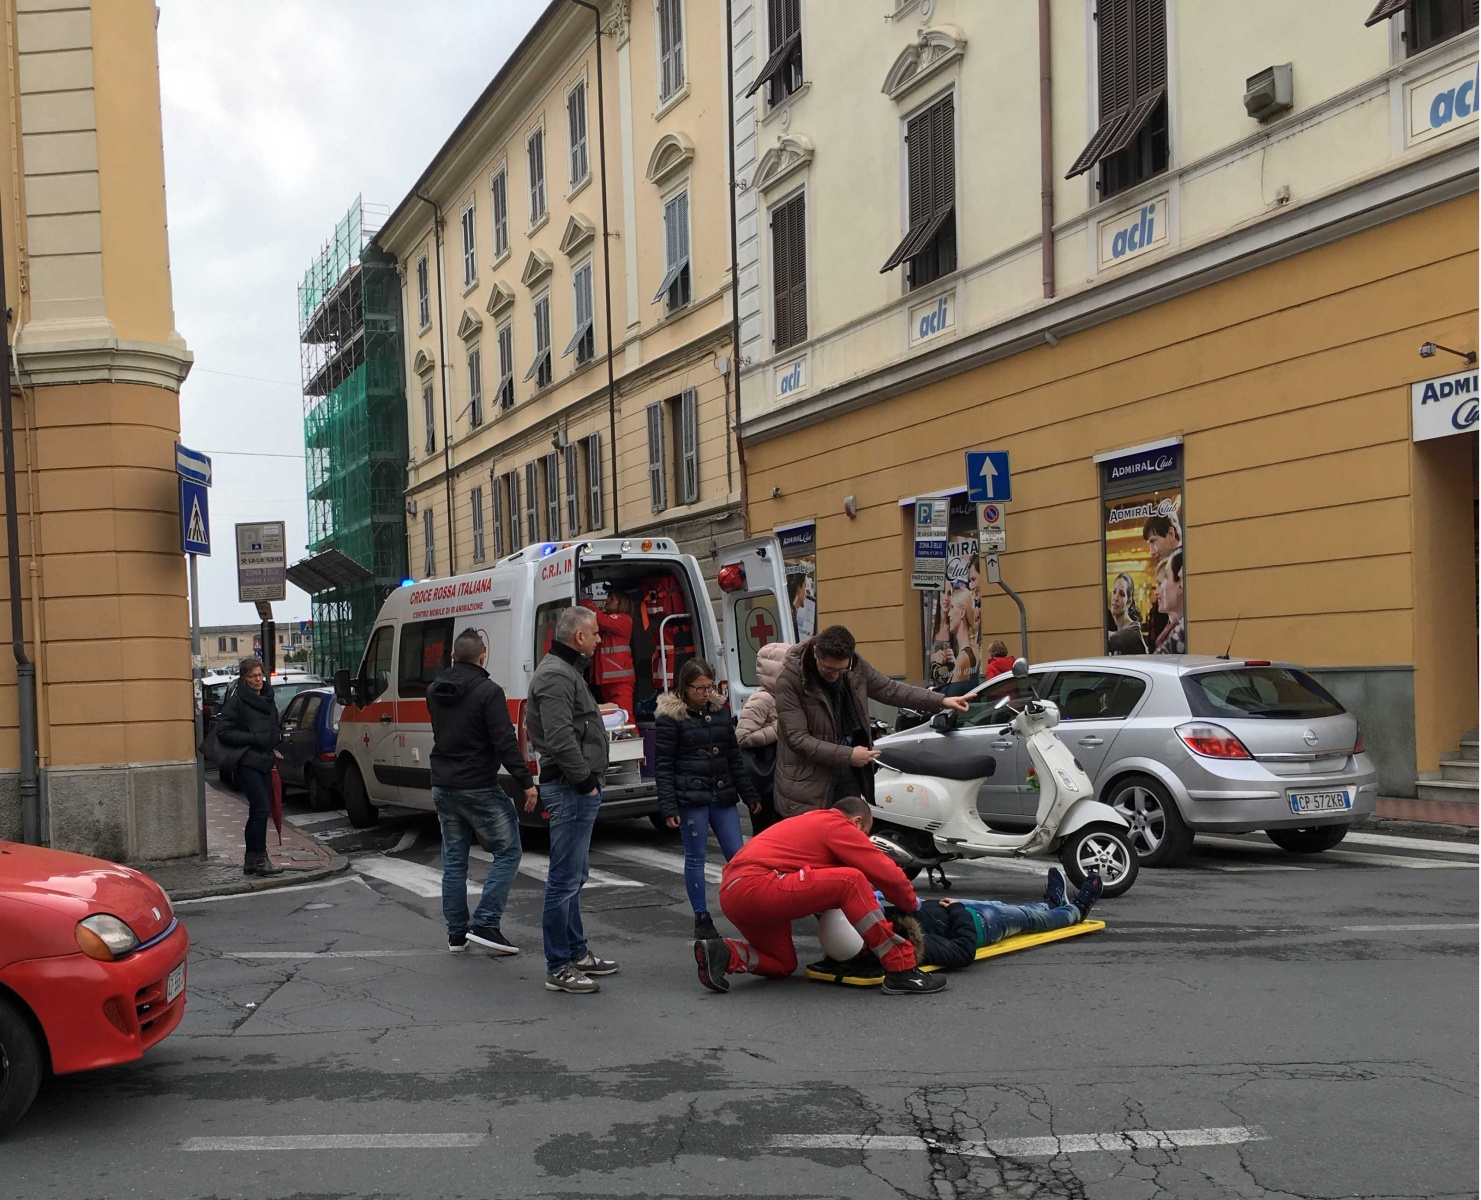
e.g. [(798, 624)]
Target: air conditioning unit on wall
[(1269, 93)]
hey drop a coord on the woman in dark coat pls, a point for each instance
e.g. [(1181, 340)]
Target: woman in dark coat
[(247, 726), (700, 777)]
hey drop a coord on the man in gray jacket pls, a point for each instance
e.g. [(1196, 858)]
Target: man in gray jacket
[(565, 727)]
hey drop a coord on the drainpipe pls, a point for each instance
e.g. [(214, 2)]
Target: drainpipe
[(596, 20), (447, 449), (25, 669), (1046, 154), (735, 334)]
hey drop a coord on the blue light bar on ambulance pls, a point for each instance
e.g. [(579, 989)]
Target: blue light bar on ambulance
[(548, 548), (407, 582)]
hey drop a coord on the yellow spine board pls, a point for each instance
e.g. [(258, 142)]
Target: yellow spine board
[(1022, 941)]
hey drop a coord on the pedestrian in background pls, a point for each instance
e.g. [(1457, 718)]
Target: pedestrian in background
[(472, 737), (756, 732), (999, 661), (564, 722), (822, 702), (247, 726), (700, 777)]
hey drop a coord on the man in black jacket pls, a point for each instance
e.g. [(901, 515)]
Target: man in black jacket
[(472, 737)]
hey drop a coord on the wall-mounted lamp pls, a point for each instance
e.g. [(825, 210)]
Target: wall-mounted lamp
[(1050, 338), (1429, 349), (851, 506), (776, 493)]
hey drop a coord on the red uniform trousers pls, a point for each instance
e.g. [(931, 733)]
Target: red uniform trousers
[(762, 904)]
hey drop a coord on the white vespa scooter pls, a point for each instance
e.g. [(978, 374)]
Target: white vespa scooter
[(925, 803)]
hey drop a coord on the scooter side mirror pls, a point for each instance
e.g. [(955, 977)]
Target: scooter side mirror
[(946, 722), (1020, 667)]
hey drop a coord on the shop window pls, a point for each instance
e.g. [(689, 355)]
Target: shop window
[(1143, 525), (1131, 142), (951, 613)]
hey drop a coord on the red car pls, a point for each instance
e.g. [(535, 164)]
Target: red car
[(92, 968)]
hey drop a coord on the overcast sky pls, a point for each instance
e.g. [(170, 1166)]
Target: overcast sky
[(277, 114)]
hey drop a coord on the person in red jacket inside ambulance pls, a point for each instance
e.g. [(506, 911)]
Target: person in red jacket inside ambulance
[(612, 665), (815, 861)]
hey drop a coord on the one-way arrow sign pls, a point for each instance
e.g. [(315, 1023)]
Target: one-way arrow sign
[(192, 465)]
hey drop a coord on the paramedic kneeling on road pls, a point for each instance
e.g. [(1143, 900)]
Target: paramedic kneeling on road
[(822, 702), (809, 864)]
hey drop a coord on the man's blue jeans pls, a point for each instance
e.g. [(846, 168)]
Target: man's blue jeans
[(571, 819), (490, 813), (1001, 921)]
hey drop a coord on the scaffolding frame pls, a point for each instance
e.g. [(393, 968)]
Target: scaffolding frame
[(354, 430)]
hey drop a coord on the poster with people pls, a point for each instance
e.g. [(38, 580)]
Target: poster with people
[(800, 554), (1145, 610), (952, 616)]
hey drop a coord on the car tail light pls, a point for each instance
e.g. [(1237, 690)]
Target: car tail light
[(1359, 746), (1211, 741), (732, 578), (326, 756), (1257, 662)]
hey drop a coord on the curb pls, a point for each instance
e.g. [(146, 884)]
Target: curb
[(337, 865), (1419, 829)]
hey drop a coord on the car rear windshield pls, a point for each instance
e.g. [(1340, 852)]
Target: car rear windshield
[(1277, 693)]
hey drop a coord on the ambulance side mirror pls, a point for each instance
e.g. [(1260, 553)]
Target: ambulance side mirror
[(344, 689)]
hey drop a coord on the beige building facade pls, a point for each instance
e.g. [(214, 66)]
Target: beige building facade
[(1177, 260), (97, 413), (517, 433)]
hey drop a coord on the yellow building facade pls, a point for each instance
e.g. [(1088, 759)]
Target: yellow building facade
[(95, 386), (517, 434), (1200, 296)]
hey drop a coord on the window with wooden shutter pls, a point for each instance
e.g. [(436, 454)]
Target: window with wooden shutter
[(929, 244), (429, 419), (573, 489), (500, 188), (541, 370), (535, 153), (516, 531), (424, 294), (506, 367), (686, 413), (470, 249), (475, 387), (781, 74), (1428, 22), (789, 272), (532, 500), (552, 496), (1131, 141), (594, 515), (675, 288), (475, 499), (429, 544), (658, 498), (583, 337), (670, 48), (497, 486), (576, 132)]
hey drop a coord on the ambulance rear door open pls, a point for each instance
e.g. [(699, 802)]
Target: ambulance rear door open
[(754, 610)]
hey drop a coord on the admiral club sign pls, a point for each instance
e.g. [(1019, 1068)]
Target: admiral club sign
[(1445, 406)]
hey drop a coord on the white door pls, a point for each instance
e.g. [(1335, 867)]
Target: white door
[(753, 614), (554, 591)]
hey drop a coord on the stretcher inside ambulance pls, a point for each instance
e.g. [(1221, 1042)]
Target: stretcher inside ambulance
[(655, 614)]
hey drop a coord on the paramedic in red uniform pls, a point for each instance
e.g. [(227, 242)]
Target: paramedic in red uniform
[(818, 860), (612, 667)]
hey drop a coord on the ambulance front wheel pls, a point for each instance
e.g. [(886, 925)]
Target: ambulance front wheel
[(1105, 849), (362, 813)]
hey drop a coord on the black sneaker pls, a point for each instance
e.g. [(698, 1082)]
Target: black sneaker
[(1089, 893), (704, 927), (491, 938), (1054, 888), (913, 982), (713, 957), (590, 964), (457, 943)]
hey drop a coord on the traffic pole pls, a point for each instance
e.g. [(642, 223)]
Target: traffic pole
[(200, 726)]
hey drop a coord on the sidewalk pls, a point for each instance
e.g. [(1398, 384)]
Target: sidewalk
[(220, 873), (1423, 818)]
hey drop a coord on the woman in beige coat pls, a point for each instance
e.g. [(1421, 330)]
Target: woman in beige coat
[(756, 731)]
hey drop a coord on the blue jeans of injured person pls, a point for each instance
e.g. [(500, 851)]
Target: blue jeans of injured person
[(489, 814), (572, 817), (1001, 921), (695, 824)]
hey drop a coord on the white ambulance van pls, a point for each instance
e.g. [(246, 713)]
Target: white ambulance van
[(385, 732)]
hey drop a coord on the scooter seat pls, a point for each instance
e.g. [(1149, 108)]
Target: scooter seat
[(945, 758)]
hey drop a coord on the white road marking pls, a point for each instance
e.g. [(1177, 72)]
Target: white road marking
[(340, 1141), (276, 891), (1406, 928), (1258, 869), (413, 877), (1348, 856), (296, 954), (1471, 849), (303, 820), (661, 859), (334, 835), (1136, 927), (537, 866), (1029, 1147)]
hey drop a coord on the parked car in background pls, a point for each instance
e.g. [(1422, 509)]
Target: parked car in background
[(92, 968), (1183, 744), (310, 729)]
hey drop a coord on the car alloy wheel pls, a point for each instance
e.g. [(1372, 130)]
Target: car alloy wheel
[(1158, 833)]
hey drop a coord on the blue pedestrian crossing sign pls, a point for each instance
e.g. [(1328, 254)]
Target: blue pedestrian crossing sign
[(987, 476), (195, 517)]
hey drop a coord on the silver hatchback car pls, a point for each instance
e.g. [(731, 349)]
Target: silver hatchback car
[(1184, 744)]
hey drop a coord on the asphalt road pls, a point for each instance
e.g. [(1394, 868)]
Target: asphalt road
[(1255, 1025)]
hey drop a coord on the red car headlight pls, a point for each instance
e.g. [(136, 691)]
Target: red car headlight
[(105, 937)]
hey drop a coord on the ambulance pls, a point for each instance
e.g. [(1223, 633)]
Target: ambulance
[(385, 733)]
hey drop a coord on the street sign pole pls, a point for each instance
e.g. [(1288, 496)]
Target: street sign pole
[(200, 728), (194, 470)]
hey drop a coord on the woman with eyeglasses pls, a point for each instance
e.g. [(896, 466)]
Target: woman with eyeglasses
[(700, 776)]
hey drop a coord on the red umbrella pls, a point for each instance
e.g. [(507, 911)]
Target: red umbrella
[(275, 804)]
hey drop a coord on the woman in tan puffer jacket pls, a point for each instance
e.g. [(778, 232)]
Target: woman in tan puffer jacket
[(756, 729)]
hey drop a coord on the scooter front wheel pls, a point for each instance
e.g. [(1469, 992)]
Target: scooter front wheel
[(1103, 848)]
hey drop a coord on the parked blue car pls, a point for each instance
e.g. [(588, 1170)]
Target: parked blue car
[(310, 727)]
